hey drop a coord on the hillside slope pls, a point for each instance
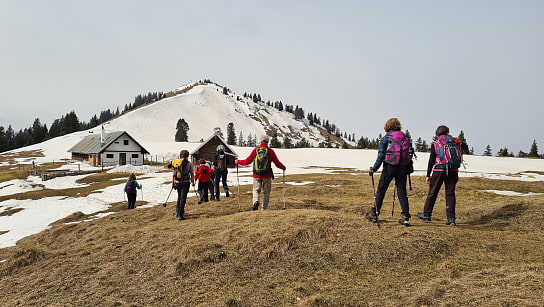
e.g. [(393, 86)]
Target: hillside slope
[(318, 252), (205, 107)]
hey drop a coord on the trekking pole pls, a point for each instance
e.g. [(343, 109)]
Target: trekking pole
[(284, 190), (375, 208), (410, 182), (394, 196), (238, 180), (164, 204)]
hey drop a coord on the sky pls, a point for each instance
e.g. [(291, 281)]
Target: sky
[(475, 66)]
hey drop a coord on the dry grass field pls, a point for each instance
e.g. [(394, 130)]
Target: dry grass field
[(320, 251)]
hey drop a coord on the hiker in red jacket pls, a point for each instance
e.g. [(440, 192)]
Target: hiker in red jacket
[(261, 158), (204, 175)]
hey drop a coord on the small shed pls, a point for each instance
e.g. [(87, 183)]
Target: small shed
[(109, 149), (208, 148)]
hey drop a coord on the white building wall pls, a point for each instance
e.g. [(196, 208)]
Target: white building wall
[(123, 146)]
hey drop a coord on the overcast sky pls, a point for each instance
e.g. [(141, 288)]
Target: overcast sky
[(476, 66)]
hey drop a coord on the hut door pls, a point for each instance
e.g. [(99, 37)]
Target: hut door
[(123, 158)]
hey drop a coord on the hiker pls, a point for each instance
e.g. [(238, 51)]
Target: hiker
[(204, 174), (182, 179), (395, 152), (130, 188), (444, 162), (261, 158), (221, 171)]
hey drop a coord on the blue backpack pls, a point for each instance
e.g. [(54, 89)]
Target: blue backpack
[(448, 153)]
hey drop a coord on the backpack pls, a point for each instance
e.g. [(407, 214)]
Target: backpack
[(180, 166), (261, 163), (448, 153), (221, 162), (399, 149), (131, 187)]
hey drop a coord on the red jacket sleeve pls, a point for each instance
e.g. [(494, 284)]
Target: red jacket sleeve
[(275, 159), (249, 159)]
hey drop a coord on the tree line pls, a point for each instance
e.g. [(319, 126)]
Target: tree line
[(66, 124)]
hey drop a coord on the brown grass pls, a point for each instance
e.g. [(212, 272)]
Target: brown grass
[(318, 252)]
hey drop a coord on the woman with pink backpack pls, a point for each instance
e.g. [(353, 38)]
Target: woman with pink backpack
[(395, 152)]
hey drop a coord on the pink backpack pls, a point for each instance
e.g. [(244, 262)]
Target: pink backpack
[(399, 149)]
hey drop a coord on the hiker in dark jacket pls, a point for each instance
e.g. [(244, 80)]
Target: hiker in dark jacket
[(398, 172), (441, 174), (182, 178), (220, 162), (130, 188), (262, 179)]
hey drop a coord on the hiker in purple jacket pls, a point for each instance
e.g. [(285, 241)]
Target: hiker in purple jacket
[(130, 188), (398, 170)]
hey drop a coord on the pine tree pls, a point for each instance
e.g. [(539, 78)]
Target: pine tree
[(464, 144), (241, 141), (231, 134), (287, 143), (503, 152), (487, 151), (182, 127), (533, 153), (274, 142)]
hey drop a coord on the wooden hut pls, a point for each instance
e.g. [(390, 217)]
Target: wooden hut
[(208, 148)]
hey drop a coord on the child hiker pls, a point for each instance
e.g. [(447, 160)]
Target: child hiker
[(395, 151), (204, 174), (130, 188)]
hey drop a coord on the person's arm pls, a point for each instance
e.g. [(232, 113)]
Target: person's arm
[(248, 160), (139, 186), (274, 158), (381, 154), (432, 159)]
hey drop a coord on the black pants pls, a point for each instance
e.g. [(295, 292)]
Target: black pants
[(183, 189), (449, 181), (400, 174), (131, 200), (203, 188), (220, 176)]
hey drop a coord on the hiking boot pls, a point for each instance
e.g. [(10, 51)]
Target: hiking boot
[(405, 222), (371, 217), (451, 222), (424, 217), (255, 205), (227, 193)]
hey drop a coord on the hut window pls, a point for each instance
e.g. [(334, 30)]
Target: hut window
[(125, 142), (109, 156), (134, 156)]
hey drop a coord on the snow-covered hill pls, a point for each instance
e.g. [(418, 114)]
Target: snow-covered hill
[(205, 107)]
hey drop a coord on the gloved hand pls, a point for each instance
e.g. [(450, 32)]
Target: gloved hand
[(370, 172)]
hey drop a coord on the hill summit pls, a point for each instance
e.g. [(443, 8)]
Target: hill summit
[(207, 106)]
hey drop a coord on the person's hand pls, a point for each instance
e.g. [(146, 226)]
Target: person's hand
[(370, 171), (428, 180)]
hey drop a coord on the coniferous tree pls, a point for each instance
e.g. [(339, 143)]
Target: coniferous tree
[(287, 142), (464, 144), (487, 151), (503, 152), (38, 132), (533, 153), (274, 142), (231, 134), (182, 127), (241, 141)]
